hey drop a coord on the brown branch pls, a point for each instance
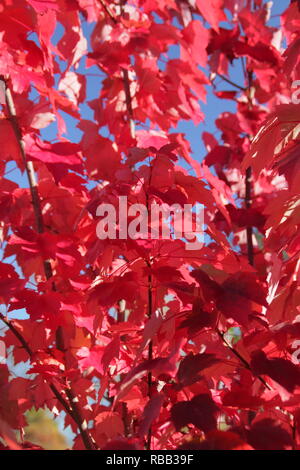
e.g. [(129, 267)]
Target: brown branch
[(128, 102), (248, 184), (108, 11), (73, 411), (60, 398), (125, 419), (17, 334), (126, 80), (250, 249), (150, 356), (30, 353), (294, 433), (82, 425), (12, 115), (121, 310), (231, 82), (27, 164), (150, 347)]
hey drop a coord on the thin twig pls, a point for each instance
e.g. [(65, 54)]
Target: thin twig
[(248, 184), (241, 358), (17, 334), (250, 250), (125, 74), (231, 82), (59, 397), (128, 102), (108, 11), (30, 353), (150, 356), (82, 425)]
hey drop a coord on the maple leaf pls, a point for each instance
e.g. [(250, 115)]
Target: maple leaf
[(212, 12), (281, 127), (197, 38), (235, 296), (41, 6), (8, 142), (281, 370), (191, 365), (151, 412), (8, 435), (109, 424), (200, 411), (60, 152), (266, 434)]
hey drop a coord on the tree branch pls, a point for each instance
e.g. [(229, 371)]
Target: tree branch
[(108, 11), (17, 334), (126, 80), (73, 410), (150, 356), (231, 82), (12, 115), (30, 353), (250, 250), (248, 184), (129, 102), (82, 424)]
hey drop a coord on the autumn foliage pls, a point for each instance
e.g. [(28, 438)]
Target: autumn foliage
[(142, 344)]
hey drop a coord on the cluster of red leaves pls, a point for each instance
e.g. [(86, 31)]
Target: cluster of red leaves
[(151, 344)]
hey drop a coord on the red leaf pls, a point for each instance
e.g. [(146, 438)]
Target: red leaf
[(191, 365), (266, 434), (60, 152), (218, 440), (110, 424), (282, 371), (151, 412), (121, 444), (212, 12), (200, 411)]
